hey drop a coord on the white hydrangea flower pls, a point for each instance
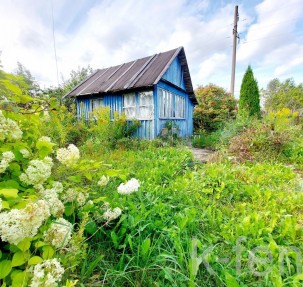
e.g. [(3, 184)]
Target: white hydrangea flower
[(18, 224), (47, 274), (112, 214), (7, 158), (59, 233), (81, 198), (71, 195), (37, 172), (46, 116), (57, 186), (69, 155), (129, 187), (50, 195), (9, 129), (90, 202), (25, 153), (44, 139), (103, 180)]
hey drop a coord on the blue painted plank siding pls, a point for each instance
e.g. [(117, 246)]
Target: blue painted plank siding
[(115, 102), (174, 74), (152, 128)]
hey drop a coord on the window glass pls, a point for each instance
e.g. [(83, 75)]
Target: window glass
[(129, 105), (96, 103), (171, 105), (180, 107), (166, 104), (146, 106)]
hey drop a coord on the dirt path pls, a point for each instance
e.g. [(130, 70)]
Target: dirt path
[(201, 154)]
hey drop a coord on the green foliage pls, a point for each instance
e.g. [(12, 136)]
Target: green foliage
[(28, 193), (285, 94), (205, 140), (215, 107), (75, 78), (180, 211), (33, 88), (249, 103)]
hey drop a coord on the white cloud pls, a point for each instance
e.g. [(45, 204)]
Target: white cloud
[(272, 29), (212, 65), (109, 32)]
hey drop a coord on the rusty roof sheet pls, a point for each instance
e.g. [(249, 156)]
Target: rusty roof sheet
[(144, 72)]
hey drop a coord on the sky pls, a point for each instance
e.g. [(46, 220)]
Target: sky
[(104, 33)]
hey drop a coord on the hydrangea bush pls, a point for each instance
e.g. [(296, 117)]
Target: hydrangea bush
[(48, 202)]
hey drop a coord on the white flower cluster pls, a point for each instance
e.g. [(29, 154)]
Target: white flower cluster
[(71, 195), (51, 196), (69, 155), (0, 204), (47, 274), (129, 187), (44, 139), (38, 171), (25, 153), (7, 158), (103, 180), (59, 233), (112, 214), (18, 224), (46, 116), (9, 129)]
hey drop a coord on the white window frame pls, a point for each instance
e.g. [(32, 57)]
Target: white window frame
[(171, 105)]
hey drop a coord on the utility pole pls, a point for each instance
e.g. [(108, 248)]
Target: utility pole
[(235, 36)]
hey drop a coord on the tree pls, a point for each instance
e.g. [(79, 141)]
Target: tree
[(287, 94), (215, 107), (249, 103), (33, 88), (76, 77)]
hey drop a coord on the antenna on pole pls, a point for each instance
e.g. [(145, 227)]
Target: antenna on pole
[(235, 36), (54, 40)]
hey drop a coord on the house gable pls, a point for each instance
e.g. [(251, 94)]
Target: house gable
[(175, 74)]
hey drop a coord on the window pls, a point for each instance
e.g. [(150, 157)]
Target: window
[(146, 106), (129, 105), (180, 107), (171, 105), (96, 103), (166, 104)]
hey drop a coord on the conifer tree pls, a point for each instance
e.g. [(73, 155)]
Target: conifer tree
[(249, 103)]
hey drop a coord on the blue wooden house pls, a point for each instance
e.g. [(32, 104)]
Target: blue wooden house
[(154, 90)]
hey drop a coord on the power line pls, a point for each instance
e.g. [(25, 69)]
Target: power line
[(54, 41), (267, 37), (273, 24)]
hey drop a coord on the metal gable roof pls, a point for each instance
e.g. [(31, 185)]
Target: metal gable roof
[(144, 72)]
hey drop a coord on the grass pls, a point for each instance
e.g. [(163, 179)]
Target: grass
[(215, 204)]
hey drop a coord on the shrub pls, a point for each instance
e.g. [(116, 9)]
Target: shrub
[(249, 103), (215, 107), (205, 140)]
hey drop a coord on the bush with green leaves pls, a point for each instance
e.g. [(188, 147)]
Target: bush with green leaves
[(215, 107), (49, 196), (283, 94)]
